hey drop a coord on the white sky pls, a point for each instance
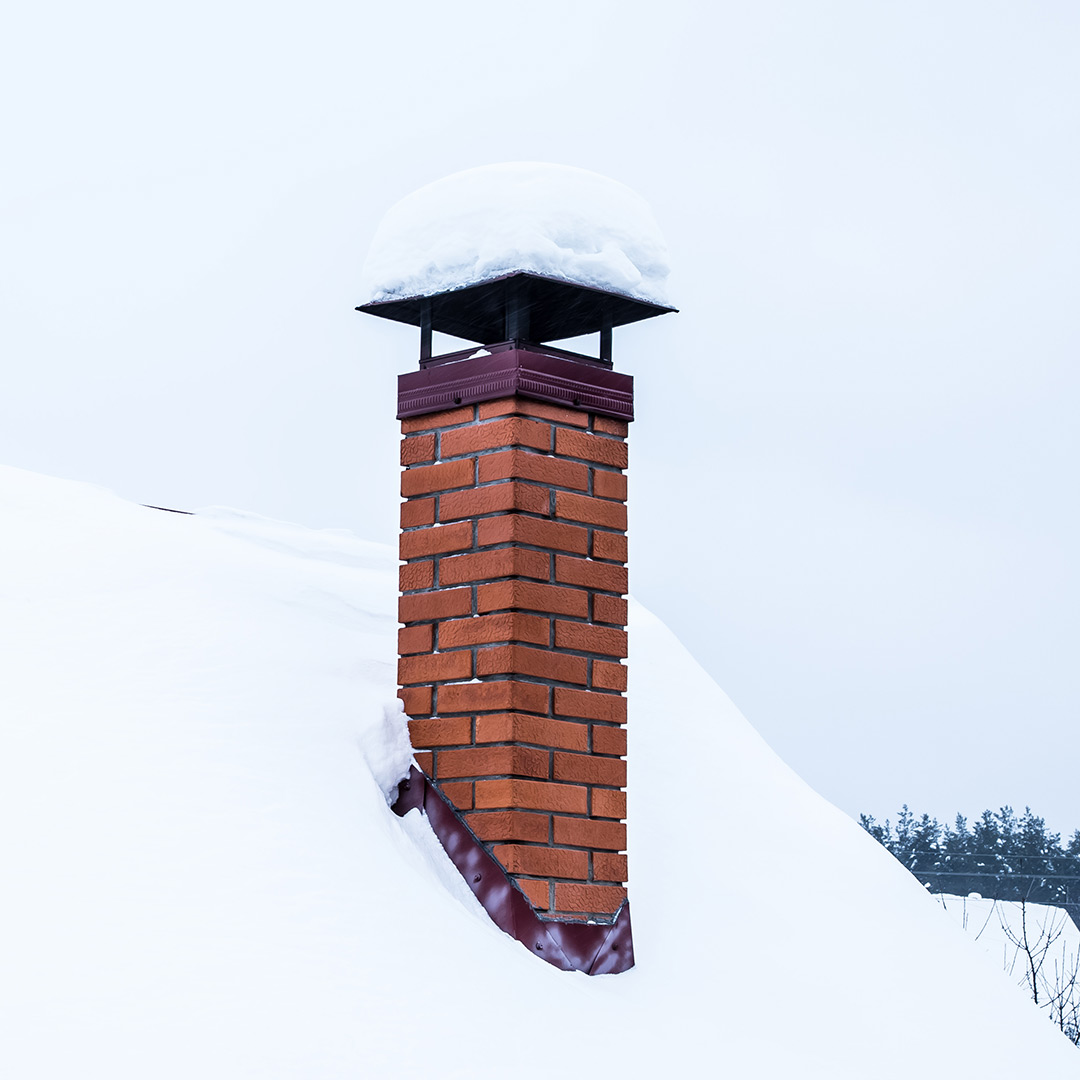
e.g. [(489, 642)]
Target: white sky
[(854, 486)]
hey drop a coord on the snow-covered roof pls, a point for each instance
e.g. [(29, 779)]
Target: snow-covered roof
[(484, 223), (202, 876)]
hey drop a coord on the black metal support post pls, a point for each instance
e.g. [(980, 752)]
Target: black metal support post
[(517, 311), (605, 343), (425, 330)]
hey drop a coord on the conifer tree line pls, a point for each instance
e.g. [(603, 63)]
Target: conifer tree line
[(1001, 855)]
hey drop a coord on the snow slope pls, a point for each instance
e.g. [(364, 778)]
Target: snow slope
[(202, 878), (482, 223), (1034, 945)]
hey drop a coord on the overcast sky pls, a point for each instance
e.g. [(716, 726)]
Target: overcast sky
[(854, 470)]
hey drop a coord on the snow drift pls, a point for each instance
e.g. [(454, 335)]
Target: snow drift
[(202, 877), (483, 223)]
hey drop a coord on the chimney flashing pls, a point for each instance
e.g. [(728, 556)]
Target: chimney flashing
[(594, 947)]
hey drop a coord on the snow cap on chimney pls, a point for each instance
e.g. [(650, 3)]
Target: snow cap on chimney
[(550, 220)]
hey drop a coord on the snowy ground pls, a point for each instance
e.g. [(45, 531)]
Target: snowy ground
[(202, 878), (1036, 946)]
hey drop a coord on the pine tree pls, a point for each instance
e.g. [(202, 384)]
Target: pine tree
[(881, 833), (1001, 856), (926, 837), (985, 842), (956, 860), (1036, 848), (1072, 888), (904, 839)]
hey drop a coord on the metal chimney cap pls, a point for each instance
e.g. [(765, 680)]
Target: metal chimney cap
[(522, 235), (551, 308)]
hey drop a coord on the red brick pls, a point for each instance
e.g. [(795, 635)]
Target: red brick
[(416, 575), (503, 696), (603, 512), (607, 676), (609, 609), (604, 899), (537, 892), (493, 499), (609, 485), (418, 448), (607, 545), (587, 638), (417, 512), (425, 479), (515, 529), (611, 427), (608, 804), (579, 444), (609, 867), (442, 419), (500, 407), (608, 740), (590, 575), (526, 407), (436, 540), (498, 433), (500, 562), (588, 769), (590, 705), (585, 832), (452, 731), (529, 795), (488, 629), (538, 663), (510, 825), (414, 639), (460, 794), (442, 604), (523, 465), (435, 667), (531, 596), (493, 761), (515, 728), (424, 759), (416, 699), (542, 861)]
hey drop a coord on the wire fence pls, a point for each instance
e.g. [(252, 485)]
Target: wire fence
[(1042, 879)]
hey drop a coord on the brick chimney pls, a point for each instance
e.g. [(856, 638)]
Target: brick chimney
[(514, 545), (513, 584)]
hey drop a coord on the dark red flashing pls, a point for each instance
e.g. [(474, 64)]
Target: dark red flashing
[(596, 949), (533, 371)]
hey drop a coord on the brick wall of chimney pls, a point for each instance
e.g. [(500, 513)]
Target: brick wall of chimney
[(511, 655)]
